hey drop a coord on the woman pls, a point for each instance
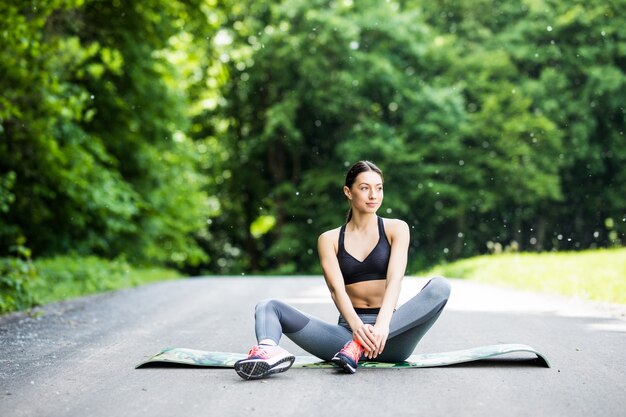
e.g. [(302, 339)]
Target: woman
[(363, 263)]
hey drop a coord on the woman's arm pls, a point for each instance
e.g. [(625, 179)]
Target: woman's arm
[(400, 236), (334, 280)]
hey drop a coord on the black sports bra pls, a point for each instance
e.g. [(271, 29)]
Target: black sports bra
[(373, 267)]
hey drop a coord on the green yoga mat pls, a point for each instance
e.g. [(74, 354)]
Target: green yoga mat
[(193, 357)]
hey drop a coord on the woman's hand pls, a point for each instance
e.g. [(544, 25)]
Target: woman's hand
[(372, 338), (364, 334), (379, 333)]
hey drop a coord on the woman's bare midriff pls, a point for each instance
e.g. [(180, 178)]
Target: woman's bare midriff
[(367, 294)]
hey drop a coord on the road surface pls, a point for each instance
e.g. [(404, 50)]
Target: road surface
[(77, 358)]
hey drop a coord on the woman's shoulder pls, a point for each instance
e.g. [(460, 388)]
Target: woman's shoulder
[(331, 234), (397, 223), (329, 241), (393, 227)]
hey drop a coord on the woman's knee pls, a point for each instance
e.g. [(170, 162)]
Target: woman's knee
[(290, 319), (265, 304), (439, 287)]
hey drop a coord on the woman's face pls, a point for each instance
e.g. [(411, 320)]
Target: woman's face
[(366, 194)]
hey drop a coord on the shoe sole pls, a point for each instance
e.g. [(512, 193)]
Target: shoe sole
[(258, 368), (343, 364)]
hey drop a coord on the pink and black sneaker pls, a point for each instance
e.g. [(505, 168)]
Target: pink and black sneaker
[(264, 360), (348, 357)]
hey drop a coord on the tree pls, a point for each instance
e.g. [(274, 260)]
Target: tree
[(94, 132), (312, 88)]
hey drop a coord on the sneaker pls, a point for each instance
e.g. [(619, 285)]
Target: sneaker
[(348, 357), (264, 360)]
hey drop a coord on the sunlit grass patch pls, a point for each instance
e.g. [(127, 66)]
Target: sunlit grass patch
[(67, 277), (594, 274)]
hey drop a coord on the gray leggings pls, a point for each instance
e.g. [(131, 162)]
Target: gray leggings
[(408, 324)]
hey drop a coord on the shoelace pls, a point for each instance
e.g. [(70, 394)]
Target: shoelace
[(257, 350), (354, 350)]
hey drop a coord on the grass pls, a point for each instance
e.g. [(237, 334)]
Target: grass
[(598, 275), (67, 277), (594, 274)]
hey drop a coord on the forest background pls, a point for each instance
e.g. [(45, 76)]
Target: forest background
[(213, 136)]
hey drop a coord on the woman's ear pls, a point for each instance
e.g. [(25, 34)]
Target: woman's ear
[(347, 192)]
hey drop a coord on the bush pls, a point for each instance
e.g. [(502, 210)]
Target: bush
[(25, 283), (66, 277), (17, 278)]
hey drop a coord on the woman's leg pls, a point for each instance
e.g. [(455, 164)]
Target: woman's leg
[(408, 325), (274, 318), (413, 319)]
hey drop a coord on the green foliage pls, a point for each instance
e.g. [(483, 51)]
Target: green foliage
[(562, 63), (309, 88), (18, 276), (447, 97), (25, 283), (65, 277), (214, 136), (94, 158), (7, 182)]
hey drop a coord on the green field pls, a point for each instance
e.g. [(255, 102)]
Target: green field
[(595, 274)]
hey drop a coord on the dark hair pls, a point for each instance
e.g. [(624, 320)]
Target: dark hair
[(354, 171)]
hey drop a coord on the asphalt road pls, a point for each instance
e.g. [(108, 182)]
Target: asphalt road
[(77, 358)]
